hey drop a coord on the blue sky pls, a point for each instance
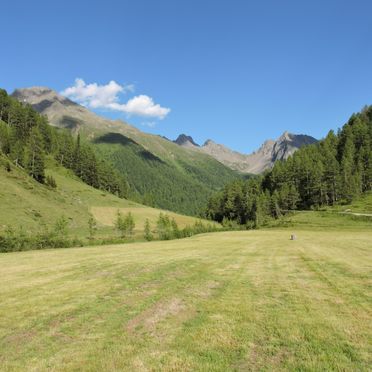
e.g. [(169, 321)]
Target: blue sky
[(236, 71)]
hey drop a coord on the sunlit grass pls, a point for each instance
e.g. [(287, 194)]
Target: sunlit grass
[(224, 301)]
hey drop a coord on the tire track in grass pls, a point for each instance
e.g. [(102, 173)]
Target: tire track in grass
[(208, 341)]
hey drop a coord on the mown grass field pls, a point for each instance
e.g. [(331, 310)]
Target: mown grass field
[(106, 216), (215, 302)]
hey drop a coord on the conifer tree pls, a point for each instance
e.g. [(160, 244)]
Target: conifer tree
[(348, 186), (147, 231), (163, 226), (35, 156), (176, 233), (129, 224), (120, 224)]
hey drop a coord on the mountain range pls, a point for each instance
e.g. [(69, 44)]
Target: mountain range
[(256, 162), (62, 112), (177, 175), (160, 173)]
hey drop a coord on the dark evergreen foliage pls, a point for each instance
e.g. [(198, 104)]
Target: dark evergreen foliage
[(168, 184), (335, 170), (147, 234), (26, 138)]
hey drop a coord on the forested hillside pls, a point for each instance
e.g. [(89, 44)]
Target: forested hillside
[(334, 171), (181, 185), (160, 173), (26, 139)]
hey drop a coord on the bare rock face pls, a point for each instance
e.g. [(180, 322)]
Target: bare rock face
[(185, 141), (223, 154), (260, 160), (64, 113), (288, 143), (48, 102)]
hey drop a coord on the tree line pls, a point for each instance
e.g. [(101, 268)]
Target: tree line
[(166, 228), (334, 171), (57, 235), (26, 139)]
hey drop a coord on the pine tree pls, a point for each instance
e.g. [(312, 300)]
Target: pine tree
[(176, 233), (147, 231), (163, 227), (77, 158), (331, 174), (257, 213), (35, 156), (17, 153), (293, 197), (120, 224), (348, 187), (274, 205), (129, 224), (4, 138)]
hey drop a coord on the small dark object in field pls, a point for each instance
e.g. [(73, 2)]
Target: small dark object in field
[(293, 237)]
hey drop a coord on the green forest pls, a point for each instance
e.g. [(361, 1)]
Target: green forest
[(26, 139), (112, 161), (180, 184), (334, 171)]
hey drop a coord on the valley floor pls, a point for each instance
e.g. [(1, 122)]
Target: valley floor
[(224, 301)]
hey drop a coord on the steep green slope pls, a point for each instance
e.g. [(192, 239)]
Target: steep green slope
[(178, 184), (28, 204)]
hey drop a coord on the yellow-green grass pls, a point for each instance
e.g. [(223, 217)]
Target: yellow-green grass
[(359, 205), (28, 204), (327, 219), (225, 301), (106, 216)]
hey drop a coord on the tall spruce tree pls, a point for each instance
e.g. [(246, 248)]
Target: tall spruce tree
[(35, 156)]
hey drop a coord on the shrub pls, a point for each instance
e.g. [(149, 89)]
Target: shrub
[(92, 225), (51, 182), (164, 227), (125, 225)]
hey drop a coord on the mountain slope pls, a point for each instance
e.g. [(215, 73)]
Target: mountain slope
[(158, 170), (258, 161), (28, 204)]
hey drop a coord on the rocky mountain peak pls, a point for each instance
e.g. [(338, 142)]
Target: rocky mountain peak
[(258, 161), (61, 111), (266, 147), (286, 136), (44, 99), (186, 141), (209, 142), (32, 91)]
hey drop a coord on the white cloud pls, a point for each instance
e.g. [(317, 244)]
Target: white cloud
[(141, 105), (107, 97)]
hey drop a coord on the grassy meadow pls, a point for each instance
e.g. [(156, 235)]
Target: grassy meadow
[(224, 301), (29, 205)]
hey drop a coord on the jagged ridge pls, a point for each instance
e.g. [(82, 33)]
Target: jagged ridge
[(258, 161)]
